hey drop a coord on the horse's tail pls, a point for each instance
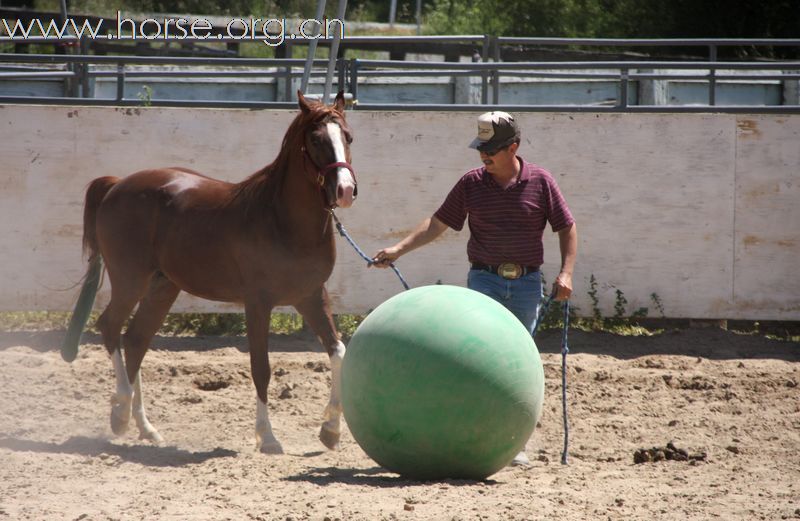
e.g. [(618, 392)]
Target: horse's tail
[(94, 196), (83, 307)]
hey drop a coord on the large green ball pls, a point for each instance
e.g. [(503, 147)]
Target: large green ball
[(442, 382)]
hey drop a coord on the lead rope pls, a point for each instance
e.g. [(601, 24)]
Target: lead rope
[(363, 255), (564, 352), (542, 311)]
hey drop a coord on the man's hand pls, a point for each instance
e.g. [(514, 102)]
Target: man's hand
[(424, 233), (562, 287), (385, 257)]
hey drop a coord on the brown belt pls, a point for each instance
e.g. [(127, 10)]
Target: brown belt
[(507, 270)]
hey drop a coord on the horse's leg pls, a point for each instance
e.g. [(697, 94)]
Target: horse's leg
[(145, 323), (257, 318), (124, 295), (316, 310)]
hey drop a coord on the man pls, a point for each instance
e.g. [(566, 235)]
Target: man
[(508, 202)]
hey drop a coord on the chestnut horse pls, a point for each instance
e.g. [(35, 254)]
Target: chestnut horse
[(264, 242)]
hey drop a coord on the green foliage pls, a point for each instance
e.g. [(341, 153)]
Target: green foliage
[(347, 324), (619, 305), (625, 19), (597, 316), (656, 300), (35, 320), (556, 18), (621, 322)]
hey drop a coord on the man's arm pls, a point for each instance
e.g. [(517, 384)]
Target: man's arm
[(428, 230), (568, 241)]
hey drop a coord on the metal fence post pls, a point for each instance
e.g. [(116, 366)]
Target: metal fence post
[(312, 46), (86, 86), (120, 81), (487, 43), (354, 79), (288, 95), (712, 80), (334, 51), (623, 87), (496, 75), (341, 66)]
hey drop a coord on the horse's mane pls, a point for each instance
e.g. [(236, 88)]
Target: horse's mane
[(260, 189)]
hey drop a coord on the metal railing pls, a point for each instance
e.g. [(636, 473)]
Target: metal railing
[(79, 69)]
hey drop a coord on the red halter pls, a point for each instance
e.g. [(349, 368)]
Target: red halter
[(325, 171)]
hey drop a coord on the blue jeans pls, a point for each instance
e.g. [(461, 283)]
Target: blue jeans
[(521, 296)]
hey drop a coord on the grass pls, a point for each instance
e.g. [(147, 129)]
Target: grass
[(176, 324), (232, 324)]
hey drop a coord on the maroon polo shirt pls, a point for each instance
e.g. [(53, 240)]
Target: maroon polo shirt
[(506, 225)]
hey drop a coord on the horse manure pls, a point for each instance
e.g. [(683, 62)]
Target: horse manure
[(317, 367), (286, 393), (668, 453), (211, 384), (280, 372)]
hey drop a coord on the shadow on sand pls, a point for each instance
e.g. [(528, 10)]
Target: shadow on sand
[(377, 477), (51, 341), (149, 455)]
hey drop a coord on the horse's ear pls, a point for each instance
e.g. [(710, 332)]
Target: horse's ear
[(301, 100), (338, 103)]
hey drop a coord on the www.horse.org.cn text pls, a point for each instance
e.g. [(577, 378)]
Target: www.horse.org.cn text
[(271, 31)]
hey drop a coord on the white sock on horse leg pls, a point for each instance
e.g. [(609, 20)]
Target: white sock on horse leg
[(146, 429), (121, 400), (267, 443)]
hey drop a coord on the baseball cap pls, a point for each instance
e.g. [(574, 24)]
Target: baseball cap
[(496, 129)]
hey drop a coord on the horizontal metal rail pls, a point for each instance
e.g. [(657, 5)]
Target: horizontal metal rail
[(649, 42), (712, 72), (70, 39), (395, 107), (128, 102), (155, 60), (733, 109), (35, 75), (471, 38), (514, 66)]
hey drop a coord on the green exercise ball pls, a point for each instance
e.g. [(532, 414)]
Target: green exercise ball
[(442, 382)]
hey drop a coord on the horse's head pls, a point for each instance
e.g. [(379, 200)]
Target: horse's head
[(326, 144)]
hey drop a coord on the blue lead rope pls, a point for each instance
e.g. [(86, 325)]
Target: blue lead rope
[(363, 255), (542, 312), (564, 352)]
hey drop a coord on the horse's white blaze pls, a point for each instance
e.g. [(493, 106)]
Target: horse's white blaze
[(182, 183), (264, 436), (345, 182)]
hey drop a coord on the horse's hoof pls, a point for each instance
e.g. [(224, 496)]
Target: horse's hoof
[(329, 438), (118, 425), (520, 460), (152, 436), (271, 447), (120, 415)]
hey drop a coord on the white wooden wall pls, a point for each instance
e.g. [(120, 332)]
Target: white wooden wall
[(700, 209)]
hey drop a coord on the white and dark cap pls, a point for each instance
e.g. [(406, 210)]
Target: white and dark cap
[(496, 129)]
